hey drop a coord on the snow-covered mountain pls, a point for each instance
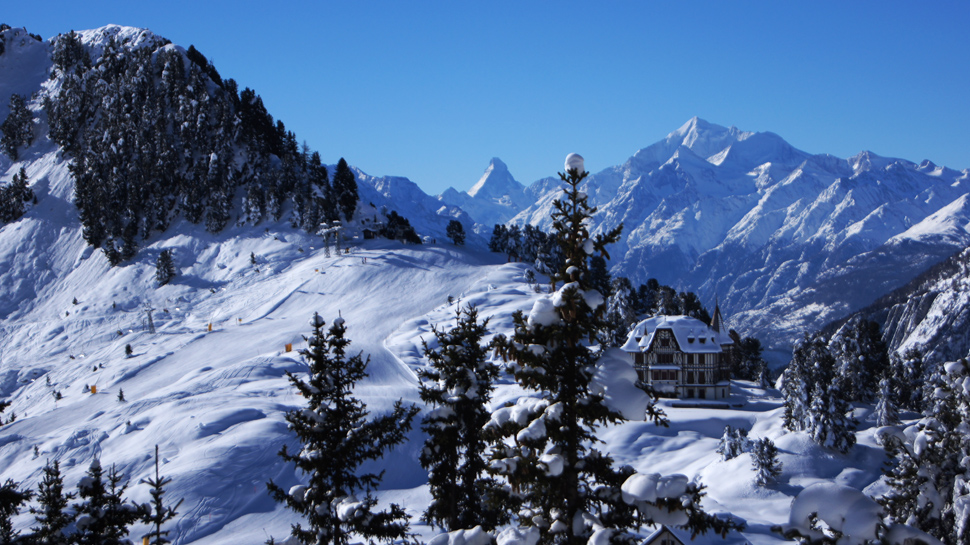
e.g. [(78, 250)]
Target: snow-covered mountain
[(428, 215), (785, 240), (496, 198), (931, 313), (208, 385)]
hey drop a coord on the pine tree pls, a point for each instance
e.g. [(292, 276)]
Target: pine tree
[(887, 414), (336, 437), (103, 515), (399, 228), (928, 475), (345, 189), (599, 276), (814, 392), (456, 232), (499, 240), (158, 513), (748, 363), (828, 421), (907, 377), (164, 268), (861, 356), (566, 485), (620, 313), (14, 196), (764, 458), (733, 443), (797, 380), (458, 385), (11, 498), (51, 513), (17, 128)]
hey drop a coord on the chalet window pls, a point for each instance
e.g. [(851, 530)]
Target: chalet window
[(690, 358), (700, 378), (657, 375), (702, 393), (690, 379), (690, 393), (638, 358), (665, 358)]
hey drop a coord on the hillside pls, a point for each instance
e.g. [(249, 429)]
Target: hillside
[(931, 313)]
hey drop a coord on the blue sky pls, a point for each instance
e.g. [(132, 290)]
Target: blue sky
[(434, 90)]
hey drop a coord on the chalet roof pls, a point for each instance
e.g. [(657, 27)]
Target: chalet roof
[(656, 534), (684, 537), (693, 336)]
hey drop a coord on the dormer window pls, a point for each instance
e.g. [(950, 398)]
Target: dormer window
[(703, 340)]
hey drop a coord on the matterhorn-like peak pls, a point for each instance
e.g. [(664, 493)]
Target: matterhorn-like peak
[(496, 181)]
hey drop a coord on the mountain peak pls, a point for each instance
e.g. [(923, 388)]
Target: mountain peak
[(496, 181)]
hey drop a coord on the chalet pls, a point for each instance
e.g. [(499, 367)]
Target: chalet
[(682, 356)]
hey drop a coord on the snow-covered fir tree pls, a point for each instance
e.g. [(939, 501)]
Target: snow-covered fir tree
[(814, 395), (165, 268), (12, 497), (337, 435), (158, 512), (887, 413), (797, 383), (14, 196), (734, 442), (928, 475), (908, 377), (458, 386), (567, 487), (620, 313), (861, 357), (764, 459), (103, 516), (17, 128), (52, 515), (829, 423)]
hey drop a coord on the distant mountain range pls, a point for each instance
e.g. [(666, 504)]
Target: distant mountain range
[(784, 240)]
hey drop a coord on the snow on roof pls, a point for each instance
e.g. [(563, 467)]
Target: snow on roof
[(652, 537), (693, 335), (684, 536)]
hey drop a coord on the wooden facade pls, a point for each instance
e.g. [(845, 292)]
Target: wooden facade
[(681, 356)]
